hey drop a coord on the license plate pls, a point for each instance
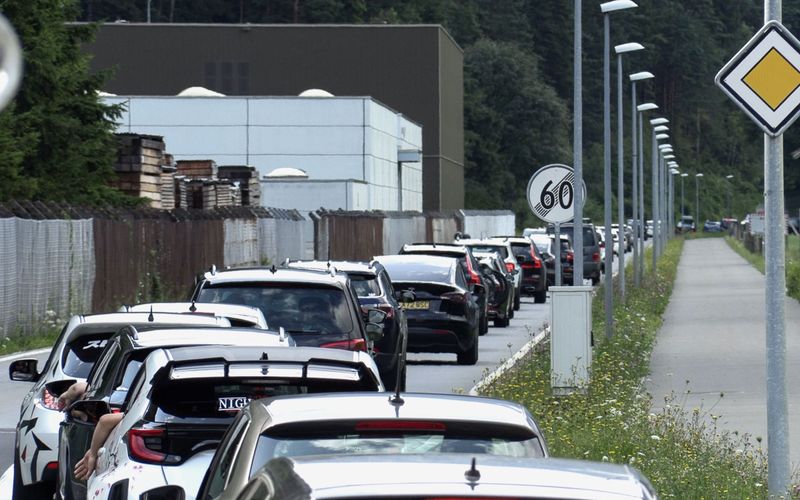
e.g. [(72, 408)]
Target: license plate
[(420, 304)]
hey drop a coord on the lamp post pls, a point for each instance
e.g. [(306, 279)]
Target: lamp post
[(683, 211), (728, 178), (697, 197), (577, 141), (622, 49), (665, 207), (672, 173), (642, 218), (607, 8), (657, 187), (635, 145), (654, 196)]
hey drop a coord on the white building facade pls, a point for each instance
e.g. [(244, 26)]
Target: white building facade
[(357, 153)]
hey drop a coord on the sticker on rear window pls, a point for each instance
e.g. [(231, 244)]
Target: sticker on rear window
[(95, 344), (235, 403)]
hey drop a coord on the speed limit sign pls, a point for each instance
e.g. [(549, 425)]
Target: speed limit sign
[(551, 193)]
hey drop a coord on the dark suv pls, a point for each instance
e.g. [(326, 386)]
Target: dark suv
[(591, 248), (374, 290), (469, 264)]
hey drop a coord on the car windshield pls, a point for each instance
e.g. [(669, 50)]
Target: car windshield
[(294, 307), (269, 447)]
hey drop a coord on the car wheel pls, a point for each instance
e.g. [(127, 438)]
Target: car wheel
[(470, 356), (484, 329), (595, 280), (540, 297), (501, 322), (517, 301)]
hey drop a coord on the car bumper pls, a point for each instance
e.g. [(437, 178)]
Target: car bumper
[(451, 334)]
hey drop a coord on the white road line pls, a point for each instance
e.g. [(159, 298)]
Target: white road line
[(25, 354), (510, 362)]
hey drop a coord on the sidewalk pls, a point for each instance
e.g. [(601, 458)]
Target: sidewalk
[(712, 342)]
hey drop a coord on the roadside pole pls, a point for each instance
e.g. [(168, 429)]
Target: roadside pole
[(753, 81), (577, 144)]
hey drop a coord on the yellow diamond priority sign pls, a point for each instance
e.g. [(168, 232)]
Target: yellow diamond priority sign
[(764, 78)]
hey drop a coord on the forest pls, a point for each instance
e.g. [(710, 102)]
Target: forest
[(518, 84)]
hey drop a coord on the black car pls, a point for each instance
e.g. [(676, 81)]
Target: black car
[(469, 264), (374, 290), (500, 286), (444, 317), (113, 374), (546, 245), (534, 267), (317, 308), (592, 266)]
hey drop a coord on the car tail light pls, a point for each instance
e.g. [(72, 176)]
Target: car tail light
[(474, 278), (537, 262), (570, 256), (51, 466), (401, 425), (457, 297), (348, 345), (50, 400), (510, 267), (596, 257), (146, 445)]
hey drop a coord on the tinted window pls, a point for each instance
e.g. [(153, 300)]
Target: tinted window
[(365, 285), (99, 374), (296, 308), (588, 234), (419, 270), (80, 355), (220, 471)]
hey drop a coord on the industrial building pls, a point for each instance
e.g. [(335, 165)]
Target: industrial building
[(414, 69), (315, 151)]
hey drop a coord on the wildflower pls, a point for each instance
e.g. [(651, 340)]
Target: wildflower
[(655, 437), (605, 458)]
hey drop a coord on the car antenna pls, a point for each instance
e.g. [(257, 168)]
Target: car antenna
[(395, 398), (213, 270), (281, 334), (192, 308), (150, 317), (273, 269), (472, 475)]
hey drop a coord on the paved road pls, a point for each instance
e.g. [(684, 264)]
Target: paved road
[(713, 336)]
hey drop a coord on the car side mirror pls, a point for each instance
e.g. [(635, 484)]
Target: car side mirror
[(521, 258), (374, 332), (24, 370), (405, 296), (170, 492), (375, 316), (88, 411)]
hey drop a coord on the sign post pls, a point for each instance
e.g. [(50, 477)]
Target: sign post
[(764, 80)]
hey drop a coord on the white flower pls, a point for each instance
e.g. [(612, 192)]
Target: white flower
[(655, 437), (605, 458)]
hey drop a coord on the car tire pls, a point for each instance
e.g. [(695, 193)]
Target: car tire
[(501, 322), (470, 356), (517, 301), (595, 280), (484, 328), (540, 297)]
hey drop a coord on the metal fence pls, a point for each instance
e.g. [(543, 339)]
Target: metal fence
[(63, 260)]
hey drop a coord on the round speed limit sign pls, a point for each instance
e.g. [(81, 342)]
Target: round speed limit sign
[(551, 193)]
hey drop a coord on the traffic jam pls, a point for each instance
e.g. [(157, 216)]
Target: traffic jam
[(289, 382)]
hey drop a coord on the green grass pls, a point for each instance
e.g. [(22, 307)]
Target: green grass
[(792, 262), (44, 335), (680, 450)]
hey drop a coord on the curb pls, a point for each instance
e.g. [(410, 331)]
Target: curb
[(25, 354), (510, 362)]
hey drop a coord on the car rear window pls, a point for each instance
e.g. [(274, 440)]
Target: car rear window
[(365, 285), (81, 353), (419, 270), (501, 249), (296, 308)]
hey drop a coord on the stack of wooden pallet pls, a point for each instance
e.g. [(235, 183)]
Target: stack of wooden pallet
[(138, 166), (197, 169), (168, 186), (249, 185)]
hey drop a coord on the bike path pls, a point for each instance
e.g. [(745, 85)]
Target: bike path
[(712, 344)]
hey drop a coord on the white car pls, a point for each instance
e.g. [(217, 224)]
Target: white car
[(72, 357), (503, 247), (183, 399), (238, 315)]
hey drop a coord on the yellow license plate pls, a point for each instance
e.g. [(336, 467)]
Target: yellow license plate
[(420, 304)]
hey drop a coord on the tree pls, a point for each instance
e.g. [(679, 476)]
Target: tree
[(61, 134)]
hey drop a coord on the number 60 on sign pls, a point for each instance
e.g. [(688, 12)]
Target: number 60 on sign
[(551, 193)]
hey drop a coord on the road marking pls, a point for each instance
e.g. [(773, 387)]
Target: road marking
[(25, 354), (510, 362)]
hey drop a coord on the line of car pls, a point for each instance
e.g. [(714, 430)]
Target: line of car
[(267, 377)]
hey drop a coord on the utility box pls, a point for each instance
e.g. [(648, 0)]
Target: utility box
[(570, 338)]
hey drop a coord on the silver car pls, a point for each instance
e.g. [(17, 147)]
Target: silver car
[(425, 477), (72, 357), (362, 423)]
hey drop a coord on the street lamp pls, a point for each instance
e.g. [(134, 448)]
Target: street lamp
[(729, 177), (655, 154), (639, 222), (672, 173), (621, 49), (607, 8), (683, 211), (663, 149), (697, 196)]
